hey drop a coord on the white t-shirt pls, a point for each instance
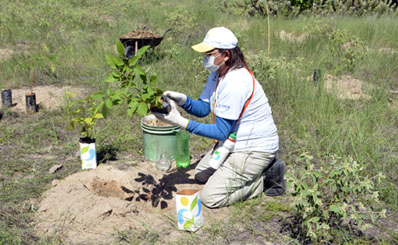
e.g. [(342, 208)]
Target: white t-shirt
[(256, 130)]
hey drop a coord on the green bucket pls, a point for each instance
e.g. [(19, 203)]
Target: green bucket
[(159, 141)]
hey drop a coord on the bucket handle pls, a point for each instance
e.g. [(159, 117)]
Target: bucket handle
[(176, 130)]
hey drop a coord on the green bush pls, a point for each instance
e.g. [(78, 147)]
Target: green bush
[(345, 49), (316, 7), (335, 195)]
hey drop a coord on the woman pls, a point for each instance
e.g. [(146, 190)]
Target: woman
[(238, 104)]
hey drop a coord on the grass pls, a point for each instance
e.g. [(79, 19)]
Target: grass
[(69, 41)]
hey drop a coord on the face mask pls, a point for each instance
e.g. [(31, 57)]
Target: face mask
[(208, 62)]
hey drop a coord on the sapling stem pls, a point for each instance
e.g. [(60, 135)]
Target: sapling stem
[(269, 30)]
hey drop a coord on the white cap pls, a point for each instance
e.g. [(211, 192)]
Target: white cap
[(218, 37)]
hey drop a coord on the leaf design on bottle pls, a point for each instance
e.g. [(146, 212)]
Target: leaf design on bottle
[(188, 224), (194, 202), (85, 149)]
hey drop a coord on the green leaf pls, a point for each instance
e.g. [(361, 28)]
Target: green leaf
[(104, 110), (142, 51), (109, 103), (142, 108), (118, 61), (194, 202), (325, 214), (153, 80), (116, 95), (110, 61), (85, 149), (98, 115), (130, 111), (88, 120), (99, 107), (120, 48), (336, 209), (133, 103), (138, 70), (133, 61), (159, 92), (188, 223), (132, 108), (144, 97), (97, 95), (150, 91), (116, 74)]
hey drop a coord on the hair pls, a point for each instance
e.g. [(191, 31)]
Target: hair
[(236, 59)]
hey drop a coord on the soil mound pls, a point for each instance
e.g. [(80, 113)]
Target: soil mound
[(6, 53), (139, 34), (346, 87), (91, 207), (286, 36)]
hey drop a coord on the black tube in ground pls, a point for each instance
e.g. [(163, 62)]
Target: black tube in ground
[(317, 75), (6, 97), (31, 103), (87, 140)]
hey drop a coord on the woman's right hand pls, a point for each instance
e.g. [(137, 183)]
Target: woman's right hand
[(177, 97)]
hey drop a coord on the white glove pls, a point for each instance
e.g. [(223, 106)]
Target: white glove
[(178, 97), (173, 117)]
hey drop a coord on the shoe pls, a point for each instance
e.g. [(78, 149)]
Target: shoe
[(274, 182)]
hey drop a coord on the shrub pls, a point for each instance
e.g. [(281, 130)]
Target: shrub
[(317, 7), (345, 49), (333, 196)]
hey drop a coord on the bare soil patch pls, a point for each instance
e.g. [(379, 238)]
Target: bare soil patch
[(393, 99), (346, 87), (47, 97), (387, 50), (6, 53), (286, 36), (89, 207)]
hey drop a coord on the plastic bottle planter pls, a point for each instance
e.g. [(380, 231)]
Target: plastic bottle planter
[(189, 210), (163, 164), (182, 155), (6, 97), (88, 154), (31, 106)]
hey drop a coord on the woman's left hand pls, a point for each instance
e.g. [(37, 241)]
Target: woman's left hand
[(173, 117)]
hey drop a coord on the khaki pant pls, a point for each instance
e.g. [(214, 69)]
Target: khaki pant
[(238, 178)]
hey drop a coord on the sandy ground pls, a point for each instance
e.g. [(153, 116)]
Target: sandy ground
[(286, 36), (47, 97), (346, 87), (89, 207)]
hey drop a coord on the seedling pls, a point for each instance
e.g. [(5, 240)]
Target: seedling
[(130, 84), (83, 114)]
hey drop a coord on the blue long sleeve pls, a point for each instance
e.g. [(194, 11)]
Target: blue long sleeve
[(220, 130), (197, 108)]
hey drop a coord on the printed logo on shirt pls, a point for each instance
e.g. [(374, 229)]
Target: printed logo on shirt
[(223, 106)]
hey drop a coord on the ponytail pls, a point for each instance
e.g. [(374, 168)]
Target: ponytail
[(236, 59)]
